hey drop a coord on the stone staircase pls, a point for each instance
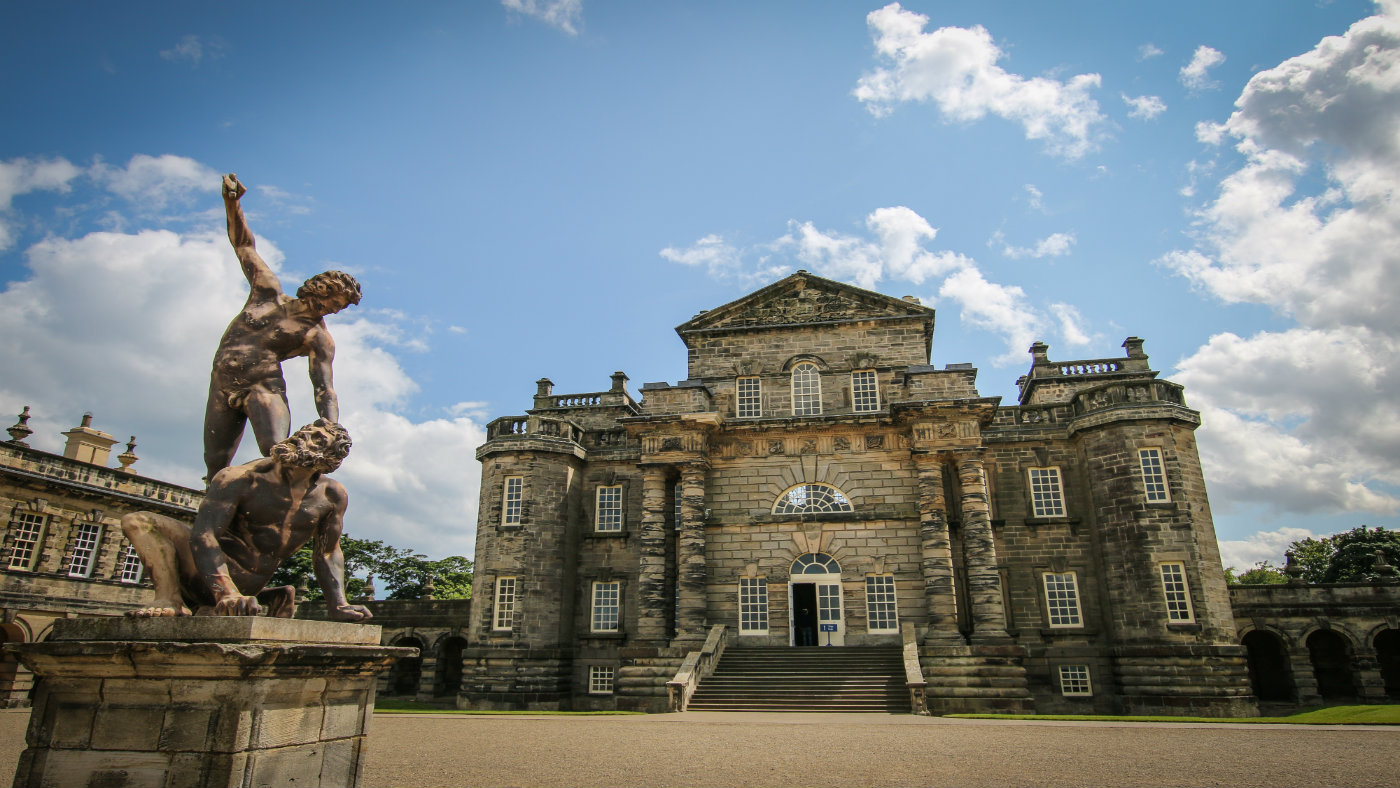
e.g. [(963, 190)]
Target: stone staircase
[(816, 679)]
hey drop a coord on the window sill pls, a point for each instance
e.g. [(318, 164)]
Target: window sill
[(606, 535), (519, 527), (604, 636), (1062, 520), (1183, 626), (1053, 632), (1168, 505)]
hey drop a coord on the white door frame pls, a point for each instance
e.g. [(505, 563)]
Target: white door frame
[(837, 638)]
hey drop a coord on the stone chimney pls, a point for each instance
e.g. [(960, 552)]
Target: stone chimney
[(86, 444)]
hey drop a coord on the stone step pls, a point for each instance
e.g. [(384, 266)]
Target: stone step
[(857, 679)]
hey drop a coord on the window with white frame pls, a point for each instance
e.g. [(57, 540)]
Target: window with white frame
[(600, 679), (131, 569), (749, 398), (809, 498), (1062, 599), (1047, 499), (84, 549), (504, 611), (865, 393), (806, 390), (28, 530), (1074, 680), (512, 500), (607, 605), (1177, 593), (753, 605), (1154, 475), (608, 513), (881, 614)]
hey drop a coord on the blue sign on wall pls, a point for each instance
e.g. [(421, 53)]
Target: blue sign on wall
[(828, 627)]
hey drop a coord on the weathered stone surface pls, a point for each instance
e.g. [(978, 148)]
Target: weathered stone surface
[(201, 713), (216, 629)]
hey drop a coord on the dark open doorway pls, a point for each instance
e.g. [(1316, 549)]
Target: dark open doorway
[(804, 614)]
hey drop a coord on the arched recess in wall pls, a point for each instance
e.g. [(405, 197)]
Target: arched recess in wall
[(811, 498), (1269, 671), (1387, 645), (448, 680), (406, 672), (1330, 654)]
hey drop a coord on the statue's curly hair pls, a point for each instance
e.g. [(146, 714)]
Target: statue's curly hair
[(323, 284), (292, 450)]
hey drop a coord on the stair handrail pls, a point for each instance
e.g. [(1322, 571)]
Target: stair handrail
[(697, 665), (913, 673)]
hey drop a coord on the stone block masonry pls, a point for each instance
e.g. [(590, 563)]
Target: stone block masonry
[(201, 702)]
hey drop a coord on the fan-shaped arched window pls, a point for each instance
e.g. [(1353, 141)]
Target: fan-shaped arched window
[(806, 390), (808, 498), (815, 564)]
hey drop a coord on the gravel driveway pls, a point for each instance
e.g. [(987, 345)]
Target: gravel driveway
[(717, 749)]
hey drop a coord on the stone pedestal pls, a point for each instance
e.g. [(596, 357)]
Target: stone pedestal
[(201, 701)]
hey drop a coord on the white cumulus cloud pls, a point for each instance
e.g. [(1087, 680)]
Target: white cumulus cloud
[(1196, 74), (895, 247), (124, 324), (956, 69), (566, 15), (192, 49), (1053, 245), (150, 183), (1303, 419), (1144, 107), (1245, 554)]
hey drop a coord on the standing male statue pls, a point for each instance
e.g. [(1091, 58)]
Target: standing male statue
[(246, 384)]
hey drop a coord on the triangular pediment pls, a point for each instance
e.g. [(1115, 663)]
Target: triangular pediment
[(803, 298)]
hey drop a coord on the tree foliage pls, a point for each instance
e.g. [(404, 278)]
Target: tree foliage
[(1347, 557), (1261, 574), (1353, 556), (398, 573)]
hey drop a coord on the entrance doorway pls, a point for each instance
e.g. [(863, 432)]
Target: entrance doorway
[(814, 594)]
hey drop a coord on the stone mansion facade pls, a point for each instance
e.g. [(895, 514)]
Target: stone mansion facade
[(814, 481)]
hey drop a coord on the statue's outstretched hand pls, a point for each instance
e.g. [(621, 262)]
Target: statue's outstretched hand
[(350, 613), (232, 188)]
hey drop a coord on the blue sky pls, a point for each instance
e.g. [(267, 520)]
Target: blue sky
[(530, 188)]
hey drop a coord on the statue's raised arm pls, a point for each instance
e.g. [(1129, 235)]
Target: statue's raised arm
[(264, 283)]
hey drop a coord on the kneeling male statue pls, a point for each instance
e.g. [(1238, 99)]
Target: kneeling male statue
[(253, 518)]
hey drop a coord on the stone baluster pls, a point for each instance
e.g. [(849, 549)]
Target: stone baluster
[(691, 620), (979, 552), (651, 572), (939, 590)]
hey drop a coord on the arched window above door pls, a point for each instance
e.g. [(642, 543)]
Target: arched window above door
[(815, 564), (808, 498)]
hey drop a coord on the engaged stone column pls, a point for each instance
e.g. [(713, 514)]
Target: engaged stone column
[(651, 573), (939, 590), (979, 551), (690, 622), (201, 701)]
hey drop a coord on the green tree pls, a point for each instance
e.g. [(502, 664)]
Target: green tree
[(399, 573), (405, 578), (1261, 574), (1353, 557), (1311, 555)]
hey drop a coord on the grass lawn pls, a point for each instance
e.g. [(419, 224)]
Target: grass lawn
[(1326, 715), (401, 706)]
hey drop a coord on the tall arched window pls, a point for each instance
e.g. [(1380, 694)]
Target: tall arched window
[(808, 498), (806, 390)]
